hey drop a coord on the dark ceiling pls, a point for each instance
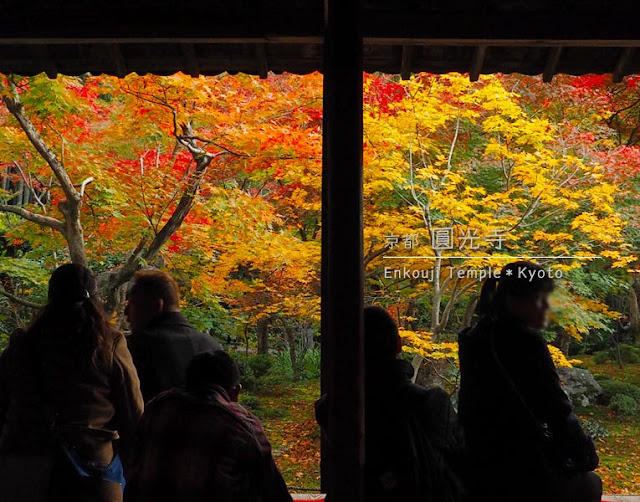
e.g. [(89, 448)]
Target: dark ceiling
[(400, 36)]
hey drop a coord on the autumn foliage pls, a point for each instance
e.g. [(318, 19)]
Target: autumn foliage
[(217, 179)]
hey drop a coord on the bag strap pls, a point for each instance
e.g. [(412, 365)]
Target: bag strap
[(542, 427)]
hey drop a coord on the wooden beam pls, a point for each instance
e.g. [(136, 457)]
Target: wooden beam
[(405, 64), (477, 62), (159, 20), (342, 256), (551, 67), (501, 42), (117, 60), (241, 20), (622, 65), (263, 63), (318, 39), (190, 59), (487, 25)]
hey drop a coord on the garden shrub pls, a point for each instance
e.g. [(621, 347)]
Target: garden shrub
[(282, 365), (260, 365), (253, 369), (247, 378), (612, 388), (272, 381), (268, 371), (628, 353), (601, 357), (594, 429), (311, 364), (624, 405), (250, 402)]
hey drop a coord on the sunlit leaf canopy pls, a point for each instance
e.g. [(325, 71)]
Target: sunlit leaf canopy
[(552, 168)]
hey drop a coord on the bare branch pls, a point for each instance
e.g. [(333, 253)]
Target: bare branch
[(84, 185), (45, 221), (374, 254), (30, 185), (15, 107), (451, 150), (20, 301), (211, 142)]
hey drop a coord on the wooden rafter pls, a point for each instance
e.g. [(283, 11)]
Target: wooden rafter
[(477, 62), (407, 59), (551, 67), (622, 64), (117, 60), (190, 59)]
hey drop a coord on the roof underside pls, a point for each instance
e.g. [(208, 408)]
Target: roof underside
[(400, 36)]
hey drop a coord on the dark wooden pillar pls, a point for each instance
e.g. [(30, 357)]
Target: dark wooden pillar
[(342, 267)]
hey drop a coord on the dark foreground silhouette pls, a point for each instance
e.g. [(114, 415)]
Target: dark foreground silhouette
[(199, 444), (414, 449), (69, 400), (524, 442)]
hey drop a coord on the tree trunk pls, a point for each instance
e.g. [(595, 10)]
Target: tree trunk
[(416, 362), (73, 231), (634, 312), (563, 341), (246, 340), (263, 335), (293, 354), (470, 310), (308, 339)]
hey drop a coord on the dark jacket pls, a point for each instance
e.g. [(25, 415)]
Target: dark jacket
[(94, 404), (200, 448), (509, 388), (162, 351), (403, 419)]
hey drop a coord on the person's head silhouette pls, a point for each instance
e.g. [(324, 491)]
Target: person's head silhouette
[(521, 293), (382, 342), (213, 368), (74, 312), (153, 294), (72, 284)]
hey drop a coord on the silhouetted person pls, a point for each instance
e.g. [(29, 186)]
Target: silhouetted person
[(413, 444), (68, 391), (524, 442), (200, 445), (162, 341)]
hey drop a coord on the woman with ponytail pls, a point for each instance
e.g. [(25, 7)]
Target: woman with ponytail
[(524, 441), (69, 400)]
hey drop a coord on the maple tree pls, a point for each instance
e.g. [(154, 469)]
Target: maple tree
[(218, 180), (144, 148), (467, 158)]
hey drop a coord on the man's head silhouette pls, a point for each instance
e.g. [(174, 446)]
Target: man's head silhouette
[(381, 339), (152, 294), (214, 368)]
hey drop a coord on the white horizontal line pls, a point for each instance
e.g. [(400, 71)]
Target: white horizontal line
[(494, 257)]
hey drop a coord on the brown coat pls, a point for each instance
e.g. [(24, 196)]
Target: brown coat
[(94, 403)]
